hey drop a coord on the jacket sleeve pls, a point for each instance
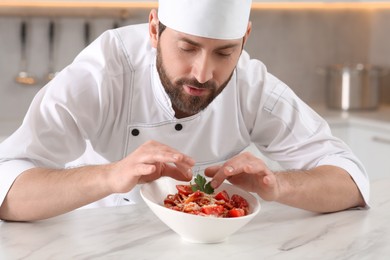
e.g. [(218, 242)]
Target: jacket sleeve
[(288, 131)]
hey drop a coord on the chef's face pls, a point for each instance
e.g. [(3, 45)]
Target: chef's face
[(194, 70)]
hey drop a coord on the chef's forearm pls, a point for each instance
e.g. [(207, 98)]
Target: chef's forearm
[(42, 193), (322, 189)]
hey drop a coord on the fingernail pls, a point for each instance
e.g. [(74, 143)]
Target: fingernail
[(229, 169), (189, 173)]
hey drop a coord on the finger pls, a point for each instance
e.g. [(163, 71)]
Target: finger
[(233, 169), (237, 166), (229, 168), (175, 173), (212, 170), (154, 152), (218, 178), (162, 156), (182, 161), (185, 164), (155, 148)]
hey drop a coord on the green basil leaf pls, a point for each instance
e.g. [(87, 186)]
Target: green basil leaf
[(208, 189), (201, 184)]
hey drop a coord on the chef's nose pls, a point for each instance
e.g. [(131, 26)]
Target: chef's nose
[(203, 68)]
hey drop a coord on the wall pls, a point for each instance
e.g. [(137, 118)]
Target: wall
[(380, 48), (69, 41), (296, 43), (292, 43)]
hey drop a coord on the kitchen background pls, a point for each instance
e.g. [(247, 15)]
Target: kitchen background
[(294, 43)]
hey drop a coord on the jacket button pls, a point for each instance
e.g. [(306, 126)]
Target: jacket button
[(178, 127), (135, 132)]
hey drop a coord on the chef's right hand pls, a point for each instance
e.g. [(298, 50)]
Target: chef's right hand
[(149, 162)]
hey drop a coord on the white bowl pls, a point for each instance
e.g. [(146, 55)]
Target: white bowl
[(193, 228)]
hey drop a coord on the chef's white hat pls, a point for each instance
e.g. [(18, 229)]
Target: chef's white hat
[(217, 19)]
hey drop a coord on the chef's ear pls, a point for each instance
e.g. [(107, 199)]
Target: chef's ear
[(248, 32), (153, 27)]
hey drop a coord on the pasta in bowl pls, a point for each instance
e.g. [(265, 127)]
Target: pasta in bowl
[(197, 228)]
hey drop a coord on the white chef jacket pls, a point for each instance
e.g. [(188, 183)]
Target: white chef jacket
[(110, 100)]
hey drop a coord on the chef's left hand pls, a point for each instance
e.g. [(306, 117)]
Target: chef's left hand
[(249, 173)]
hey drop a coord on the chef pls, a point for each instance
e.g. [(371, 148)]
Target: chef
[(173, 97)]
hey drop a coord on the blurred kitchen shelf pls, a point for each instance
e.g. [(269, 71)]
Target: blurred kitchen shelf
[(74, 8), (126, 8)]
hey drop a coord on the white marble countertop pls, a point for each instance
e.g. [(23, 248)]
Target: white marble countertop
[(134, 232)]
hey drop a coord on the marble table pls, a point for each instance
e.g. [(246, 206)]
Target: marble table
[(134, 232)]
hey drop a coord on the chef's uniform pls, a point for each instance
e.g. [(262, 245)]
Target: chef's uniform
[(110, 100)]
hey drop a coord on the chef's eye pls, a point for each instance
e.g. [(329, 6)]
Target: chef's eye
[(187, 49), (224, 54)]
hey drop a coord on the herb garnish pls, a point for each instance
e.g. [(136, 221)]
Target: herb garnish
[(202, 185)]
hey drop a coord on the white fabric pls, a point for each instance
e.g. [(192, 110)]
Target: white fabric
[(218, 19), (112, 88)]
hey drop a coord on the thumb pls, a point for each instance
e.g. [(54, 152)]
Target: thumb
[(269, 181)]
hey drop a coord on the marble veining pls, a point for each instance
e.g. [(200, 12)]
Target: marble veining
[(134, 232)]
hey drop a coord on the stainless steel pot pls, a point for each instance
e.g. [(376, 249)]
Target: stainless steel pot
[(353, 87)]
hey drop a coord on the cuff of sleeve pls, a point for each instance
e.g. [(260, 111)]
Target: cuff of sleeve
[(9, 171), (357, 173)]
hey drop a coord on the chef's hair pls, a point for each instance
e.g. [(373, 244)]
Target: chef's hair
[(161, 28)]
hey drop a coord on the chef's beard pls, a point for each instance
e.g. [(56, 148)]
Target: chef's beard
[(181, 101)]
